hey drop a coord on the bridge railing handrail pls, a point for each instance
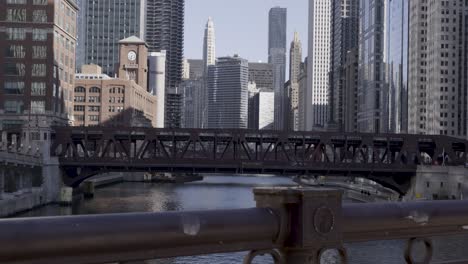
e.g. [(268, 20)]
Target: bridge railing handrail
[(294, 225)]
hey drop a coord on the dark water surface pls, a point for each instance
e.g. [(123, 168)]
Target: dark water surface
[(229, 193)]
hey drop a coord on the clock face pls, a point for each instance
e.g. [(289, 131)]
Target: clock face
[(132, 56)]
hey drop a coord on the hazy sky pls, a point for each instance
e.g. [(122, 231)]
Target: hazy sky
[(241, 26)]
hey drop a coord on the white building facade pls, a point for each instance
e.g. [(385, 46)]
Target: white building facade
[(316, 94)]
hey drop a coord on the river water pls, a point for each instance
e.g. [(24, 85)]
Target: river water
[(221, 192)]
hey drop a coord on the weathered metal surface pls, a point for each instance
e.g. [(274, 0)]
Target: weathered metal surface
[(129, 237), (293, 225), (390, 159)]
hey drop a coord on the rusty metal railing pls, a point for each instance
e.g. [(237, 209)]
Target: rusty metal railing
[(293, 225)]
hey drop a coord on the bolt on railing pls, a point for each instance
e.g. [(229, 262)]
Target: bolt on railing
[(293, 225)]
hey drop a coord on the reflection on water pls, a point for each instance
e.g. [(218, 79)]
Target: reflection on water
[(228, 193)]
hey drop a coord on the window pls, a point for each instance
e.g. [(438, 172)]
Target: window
[(79, 118), (95, 90), (38, 70), (15, 51), (14, 87), (20, 2), (94, 118), (38, 107), (16, 33), (38, 89), (16, 15), (94, 99), (39, 16), (80, 89), (39, 34), (94, 108), (79, 108), (14, 69), (13, 107), (79, 99), (39, 2), (39, 52)]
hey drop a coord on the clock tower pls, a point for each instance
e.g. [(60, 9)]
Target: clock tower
[(133, 63)]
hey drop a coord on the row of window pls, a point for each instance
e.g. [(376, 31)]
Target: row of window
[(112, 90), (23, 2), (17, 107), (19, 69), (91, 99), (20, 34), (91, 108), (19, 52), (17, 88), (20, 15)]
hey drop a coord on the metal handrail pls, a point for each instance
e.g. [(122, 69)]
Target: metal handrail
[(294, 225)]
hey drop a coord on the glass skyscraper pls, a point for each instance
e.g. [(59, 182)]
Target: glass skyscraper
[(372, 95), (396, 61), (277, 56), (101, 25)]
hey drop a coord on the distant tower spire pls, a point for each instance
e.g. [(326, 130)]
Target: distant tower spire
[(209, 48)]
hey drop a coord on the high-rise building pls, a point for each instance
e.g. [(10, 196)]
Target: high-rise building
[(316, 94), (209, 44), (165, 31), (302, 102), (262, 75), (209, 58), (295, 61), (102, 25), (277, 56), (344, 38), (190, 90), (185, 69), (38, 41), (438, 71), (372, 91), (196, 69), (351, 69), (261, 108), (157, 83), (396, 63), (228, 93)]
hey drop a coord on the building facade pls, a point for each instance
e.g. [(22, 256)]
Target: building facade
[(438, 74), (38, 41), (102, 25), (277, 56), (124, 101), (228, 93), (302, 102), (191, 90), (316, 101), (396, 63), (372, 91), (262, 75), (295, 61), (209, 44), (196, 69), (261, 108), (104, 101), (344, 38)]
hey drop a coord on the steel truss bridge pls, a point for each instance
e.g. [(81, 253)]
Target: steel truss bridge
[(390, 159)]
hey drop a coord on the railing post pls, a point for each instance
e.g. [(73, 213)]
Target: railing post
[(310, 221)]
